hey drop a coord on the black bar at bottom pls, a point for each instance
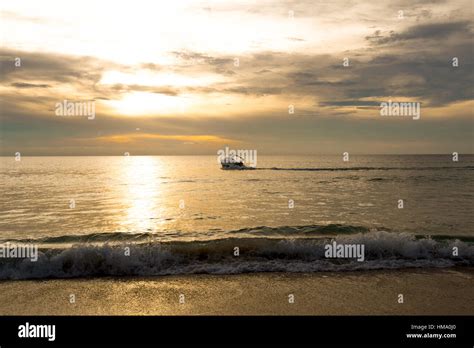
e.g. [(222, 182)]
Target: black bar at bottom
[(223, 330)]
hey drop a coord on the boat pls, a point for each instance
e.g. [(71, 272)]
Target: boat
[(234, 162)]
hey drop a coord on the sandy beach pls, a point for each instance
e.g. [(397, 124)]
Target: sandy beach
[(425, 292)]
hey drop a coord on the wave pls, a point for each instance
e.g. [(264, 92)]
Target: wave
[(383, 250), (302, 231), (280, 231)]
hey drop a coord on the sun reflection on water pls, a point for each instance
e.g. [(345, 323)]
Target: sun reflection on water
[(142, 193)]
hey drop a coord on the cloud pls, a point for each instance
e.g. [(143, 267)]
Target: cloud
[(350, 103), (10, 15), (430, 31), (295, 39), (29, 85), (301, 65), (130, 138)]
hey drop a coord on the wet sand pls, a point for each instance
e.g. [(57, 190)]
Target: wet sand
[(429, 292)]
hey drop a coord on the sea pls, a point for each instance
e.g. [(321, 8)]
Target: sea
[(163, 215)]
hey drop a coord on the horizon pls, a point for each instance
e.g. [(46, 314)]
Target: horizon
[(273, 155)]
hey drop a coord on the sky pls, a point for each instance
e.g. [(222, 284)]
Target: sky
[(191, 77)]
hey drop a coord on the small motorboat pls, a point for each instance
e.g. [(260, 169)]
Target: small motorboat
[(233, 162)]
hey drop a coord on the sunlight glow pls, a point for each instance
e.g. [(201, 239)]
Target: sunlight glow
[(145, 103), (142, 197)]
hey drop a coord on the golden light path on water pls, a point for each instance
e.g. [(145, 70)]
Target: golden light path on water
[(142, 194)]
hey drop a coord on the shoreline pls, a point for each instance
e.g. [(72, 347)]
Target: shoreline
[(444, 291)]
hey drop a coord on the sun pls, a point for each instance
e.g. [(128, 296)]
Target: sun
[(149, 104)]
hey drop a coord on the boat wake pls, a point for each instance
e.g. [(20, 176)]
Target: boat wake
[(336, 169)]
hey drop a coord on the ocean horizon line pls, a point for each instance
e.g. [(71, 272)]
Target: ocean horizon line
[(269, 155)]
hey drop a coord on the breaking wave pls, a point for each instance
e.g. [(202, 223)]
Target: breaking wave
[(138, 255)]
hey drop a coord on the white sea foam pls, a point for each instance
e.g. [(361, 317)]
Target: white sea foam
[(383, 250)]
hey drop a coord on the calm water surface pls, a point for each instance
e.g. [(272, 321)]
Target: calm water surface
[(190, 197)]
